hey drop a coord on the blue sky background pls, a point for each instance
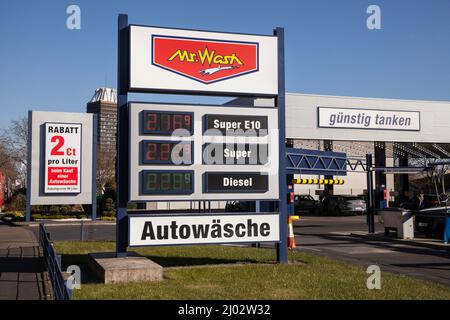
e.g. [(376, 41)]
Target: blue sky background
[(329, 50)]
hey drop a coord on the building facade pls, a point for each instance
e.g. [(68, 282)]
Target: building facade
[(104, 104)]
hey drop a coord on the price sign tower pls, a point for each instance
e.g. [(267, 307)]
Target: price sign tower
[(182, 152)]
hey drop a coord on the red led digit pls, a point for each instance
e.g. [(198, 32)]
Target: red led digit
[(187, 121), (165, 151), (165, 122), (151, 121), (186, 150), (177, 121), (151, 151)]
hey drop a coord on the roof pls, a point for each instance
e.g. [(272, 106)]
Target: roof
[(107, 95)]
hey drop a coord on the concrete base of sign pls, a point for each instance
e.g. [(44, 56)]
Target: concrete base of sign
[(133, 268)]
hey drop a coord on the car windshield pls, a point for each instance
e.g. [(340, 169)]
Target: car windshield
[(352, 198)]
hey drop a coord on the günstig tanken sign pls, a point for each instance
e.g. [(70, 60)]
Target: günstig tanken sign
[(176, 60)]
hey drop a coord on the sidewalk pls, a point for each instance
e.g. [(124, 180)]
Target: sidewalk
[(22, 270), (418, 242), (61, 222)]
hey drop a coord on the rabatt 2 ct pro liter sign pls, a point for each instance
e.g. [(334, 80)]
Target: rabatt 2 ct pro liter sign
[(62, 157)]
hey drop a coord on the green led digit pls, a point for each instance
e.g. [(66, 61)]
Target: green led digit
[(177, 181), (151, 181), (187, 180), (165, 181)]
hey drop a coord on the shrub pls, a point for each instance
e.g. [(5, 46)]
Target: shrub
[(65, 209), (17, 203), (110, 214), (110, 191), (54, 210), (104, 218), (109, 204), (132, 205), (15, 215)]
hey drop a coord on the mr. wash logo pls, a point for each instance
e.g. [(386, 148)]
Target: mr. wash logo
[(206, 61)]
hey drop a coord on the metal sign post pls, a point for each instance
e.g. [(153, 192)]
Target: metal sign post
[(122, 137), (202, 63), (282, 248), (370, 217)]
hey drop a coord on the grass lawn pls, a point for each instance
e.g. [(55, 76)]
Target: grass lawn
[(225, 272)]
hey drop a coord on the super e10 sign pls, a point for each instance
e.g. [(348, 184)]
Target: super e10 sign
[(62, 158)]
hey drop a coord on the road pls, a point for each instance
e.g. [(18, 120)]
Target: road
[(329, 237), (325, 236)]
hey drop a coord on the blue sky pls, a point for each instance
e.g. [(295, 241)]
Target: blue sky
[(329, 50)]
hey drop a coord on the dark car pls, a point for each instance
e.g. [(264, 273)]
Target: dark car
[(305, 203), (429, 201), (250, 206), (343, 204), (240, 206), (431, 221)]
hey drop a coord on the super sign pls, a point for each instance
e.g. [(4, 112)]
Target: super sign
[(202, 60)]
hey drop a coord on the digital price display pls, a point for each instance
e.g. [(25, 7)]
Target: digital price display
[(165, 123), (166, 152), (162, 182)]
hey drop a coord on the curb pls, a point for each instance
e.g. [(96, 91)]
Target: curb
[(430, 245), (52, 223)]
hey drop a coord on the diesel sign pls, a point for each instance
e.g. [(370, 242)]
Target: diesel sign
[(242, 182)]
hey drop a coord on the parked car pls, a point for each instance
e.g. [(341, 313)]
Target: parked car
[(431, 221), (343, 204), (429, 201), (250, 206), (305, 203), (240, 206)]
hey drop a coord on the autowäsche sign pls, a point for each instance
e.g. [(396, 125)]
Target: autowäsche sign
[(202, 229), (351, 118)]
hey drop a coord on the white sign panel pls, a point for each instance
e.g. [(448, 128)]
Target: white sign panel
[(197, 61), (351, 118), (188, 152), (201, 229), (62, 158)]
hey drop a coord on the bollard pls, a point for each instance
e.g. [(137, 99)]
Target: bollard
[(81, 231)]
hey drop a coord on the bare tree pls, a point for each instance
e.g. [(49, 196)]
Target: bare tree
[(435, 173), (105, 169), (15, 139), (16, 135), (8, 167)]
